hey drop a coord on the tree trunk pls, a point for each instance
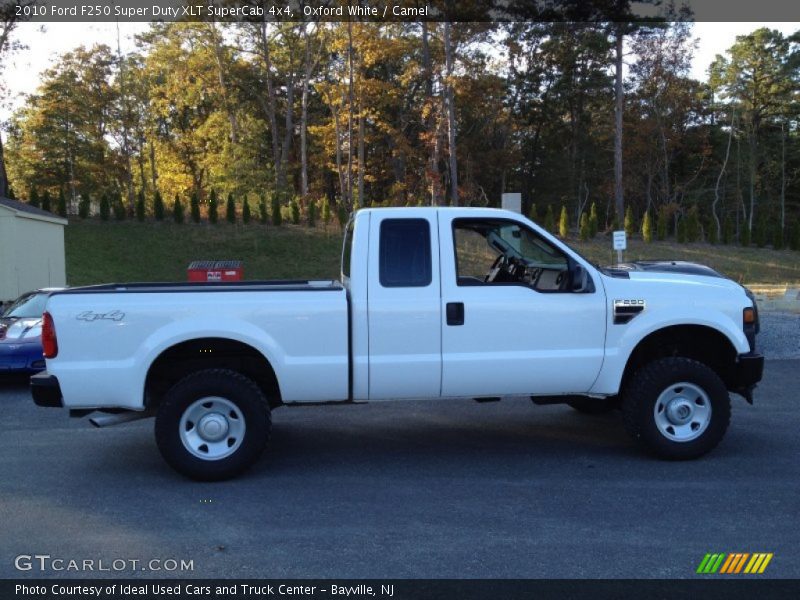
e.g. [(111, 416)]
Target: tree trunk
[(783, 179), (3, 176), (719, 179), (350, 117), (269, 108), (337, 125), (360, 152), (451, 115), (153, 171), (223, 85), (430, 121), (304, 118), (619, 202)]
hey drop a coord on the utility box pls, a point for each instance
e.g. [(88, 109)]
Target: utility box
[(204, 271)]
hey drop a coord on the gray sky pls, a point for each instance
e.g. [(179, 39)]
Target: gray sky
[(46, 42)]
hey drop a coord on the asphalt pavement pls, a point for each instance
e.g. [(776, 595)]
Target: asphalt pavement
[(405, 490)]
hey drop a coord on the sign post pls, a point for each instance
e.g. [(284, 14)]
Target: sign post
[(620, 244)]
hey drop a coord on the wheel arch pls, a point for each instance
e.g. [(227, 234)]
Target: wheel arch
[(187, 356), (703, 343)]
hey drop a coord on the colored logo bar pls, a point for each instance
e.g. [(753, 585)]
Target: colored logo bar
[(733, 563)]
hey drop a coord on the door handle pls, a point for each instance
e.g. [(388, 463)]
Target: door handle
[(455, 313)]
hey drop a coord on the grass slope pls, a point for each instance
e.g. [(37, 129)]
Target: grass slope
[(116, 252)]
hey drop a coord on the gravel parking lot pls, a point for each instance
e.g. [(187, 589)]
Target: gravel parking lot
[(447, 489)]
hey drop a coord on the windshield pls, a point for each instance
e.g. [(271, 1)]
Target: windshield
[(27, 306)]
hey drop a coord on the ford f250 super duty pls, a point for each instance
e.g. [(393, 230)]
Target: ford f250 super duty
[(432, 303)]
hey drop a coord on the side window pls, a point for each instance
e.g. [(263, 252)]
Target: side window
[(347, 250), (501, 251), (405, 253)]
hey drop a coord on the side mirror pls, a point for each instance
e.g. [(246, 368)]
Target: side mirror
[(580, 282)]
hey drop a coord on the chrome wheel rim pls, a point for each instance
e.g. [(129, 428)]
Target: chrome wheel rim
[(682, 412), (212, 428)]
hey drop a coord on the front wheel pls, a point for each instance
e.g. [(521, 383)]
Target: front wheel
[(677, 408), (212, 424)]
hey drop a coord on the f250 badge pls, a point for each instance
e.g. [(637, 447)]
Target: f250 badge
[(88, 315), (625, 310)]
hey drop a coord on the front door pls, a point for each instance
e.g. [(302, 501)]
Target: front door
[(512, 324)]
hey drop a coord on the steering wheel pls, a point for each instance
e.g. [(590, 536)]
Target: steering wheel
[(494, 269)]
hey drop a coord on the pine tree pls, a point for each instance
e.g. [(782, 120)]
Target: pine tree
[(680, 233), (46, 201), (230, 209), (194, 207), (33, 199), (177, 210), (61, 207), (744, 235), (312, 214), (550, 219), (295, 207), (84, 206), (105, 207), (662, 224), (563, 223), (533, 214), (277, 217), (760, 234), (630, 221), (712, 233), (794, 239), (727, 230), (692, 229), (586, 230), (212, 207), (140, 208), (647, 227), (245, 210), (263, 215), (326, 211), (593, 224), (158, 207), (118, 207), (341, 215), (778, 239)]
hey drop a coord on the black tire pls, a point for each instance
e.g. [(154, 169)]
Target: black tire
[(595, 406), (642, 393), (232, 387)]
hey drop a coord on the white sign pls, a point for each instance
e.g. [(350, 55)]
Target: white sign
[(620, 240), (512, 201)]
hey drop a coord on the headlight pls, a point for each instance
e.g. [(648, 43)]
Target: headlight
[(33, 332)]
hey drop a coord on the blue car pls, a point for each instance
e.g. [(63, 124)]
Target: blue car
[(21, 333)]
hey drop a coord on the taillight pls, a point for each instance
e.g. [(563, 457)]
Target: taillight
[(49, 341)]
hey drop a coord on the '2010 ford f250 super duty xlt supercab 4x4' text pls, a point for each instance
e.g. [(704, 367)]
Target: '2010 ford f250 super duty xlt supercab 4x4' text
[(432, 303)]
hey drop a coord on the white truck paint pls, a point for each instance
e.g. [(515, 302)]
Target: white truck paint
[(432, 303)]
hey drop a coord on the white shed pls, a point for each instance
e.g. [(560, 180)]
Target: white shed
[(31, 249)]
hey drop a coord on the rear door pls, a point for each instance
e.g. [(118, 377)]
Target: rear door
[(405, 346)]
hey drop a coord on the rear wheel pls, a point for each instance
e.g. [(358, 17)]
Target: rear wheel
[(212, 424), (677, 408)]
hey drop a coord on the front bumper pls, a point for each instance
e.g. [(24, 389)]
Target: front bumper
[(46, 391), (748, 371)]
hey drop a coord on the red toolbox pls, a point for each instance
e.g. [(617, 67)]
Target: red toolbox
[(201, 271)]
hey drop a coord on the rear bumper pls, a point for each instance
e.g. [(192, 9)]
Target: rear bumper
[(46, 391), (747, 373), (21, 358)]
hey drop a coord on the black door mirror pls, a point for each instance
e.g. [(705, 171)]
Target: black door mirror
[(579, 280)]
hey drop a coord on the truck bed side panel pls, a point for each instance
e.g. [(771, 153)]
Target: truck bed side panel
[(111, 339)]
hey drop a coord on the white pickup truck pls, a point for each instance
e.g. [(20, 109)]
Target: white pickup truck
[(432, 303)]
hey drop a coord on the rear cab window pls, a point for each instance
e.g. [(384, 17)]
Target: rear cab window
[(405, 253)]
